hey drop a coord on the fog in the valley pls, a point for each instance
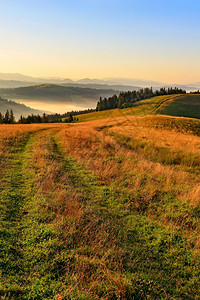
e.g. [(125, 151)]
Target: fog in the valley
[(54, 107)]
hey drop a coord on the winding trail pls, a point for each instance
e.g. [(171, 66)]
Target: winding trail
[(165, 101)]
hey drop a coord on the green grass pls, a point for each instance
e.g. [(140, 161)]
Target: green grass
[(12, 197), (183, 106), (137, 252), (144, 107), (68, 234)]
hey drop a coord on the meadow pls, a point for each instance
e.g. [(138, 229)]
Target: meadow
[(186, 105), (103, 209)]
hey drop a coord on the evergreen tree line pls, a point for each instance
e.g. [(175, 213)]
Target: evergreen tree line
[(65, 118), (8, 118), (196, 92), (34, 119), (55, 118), (127, 99)]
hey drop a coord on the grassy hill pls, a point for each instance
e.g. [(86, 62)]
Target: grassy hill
[(175, 105), (107, 209), (18, 109), (184, 106)]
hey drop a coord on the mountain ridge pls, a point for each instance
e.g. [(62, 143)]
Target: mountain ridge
[(122, 84)]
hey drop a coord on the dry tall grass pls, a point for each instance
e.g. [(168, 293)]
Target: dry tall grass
[(111, 207), (149, 181)]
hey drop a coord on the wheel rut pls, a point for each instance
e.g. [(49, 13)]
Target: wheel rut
[(14, 184)]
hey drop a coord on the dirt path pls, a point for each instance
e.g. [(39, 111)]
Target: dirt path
[(164, 102)]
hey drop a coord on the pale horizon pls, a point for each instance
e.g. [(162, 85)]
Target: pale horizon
[(63, 76)]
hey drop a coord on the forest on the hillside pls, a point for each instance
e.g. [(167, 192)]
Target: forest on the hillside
[(127, 99)]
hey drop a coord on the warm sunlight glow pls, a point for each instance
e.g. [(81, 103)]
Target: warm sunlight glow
[(97, 39)]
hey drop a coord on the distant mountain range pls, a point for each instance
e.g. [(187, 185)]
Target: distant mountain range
[(9, 80), (16, 84), (57, 80)]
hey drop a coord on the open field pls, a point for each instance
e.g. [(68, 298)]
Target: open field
[(106, 209)]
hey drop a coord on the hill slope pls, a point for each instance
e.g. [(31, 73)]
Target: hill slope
[(183, 106), (175, 105), (18, 109)]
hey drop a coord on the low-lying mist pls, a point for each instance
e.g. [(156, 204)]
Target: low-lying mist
[(54, 107)]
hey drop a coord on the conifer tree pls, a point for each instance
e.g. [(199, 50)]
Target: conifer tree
[(45, 118), (70, 118), (6, 119), (12, 118), (1, 118)]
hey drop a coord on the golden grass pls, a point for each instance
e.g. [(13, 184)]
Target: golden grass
[(65, 207), (94, 145), (16, 132), (141, 129), (90, 183)]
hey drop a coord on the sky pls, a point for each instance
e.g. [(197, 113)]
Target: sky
[(146, 39)]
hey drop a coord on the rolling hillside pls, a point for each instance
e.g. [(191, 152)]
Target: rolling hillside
[(183, 106), (18, 109), (175, 105)]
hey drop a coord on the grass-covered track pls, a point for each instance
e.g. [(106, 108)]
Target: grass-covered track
[(89, 214)]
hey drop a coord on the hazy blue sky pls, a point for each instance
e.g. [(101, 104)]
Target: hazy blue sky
[(151, 39)]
